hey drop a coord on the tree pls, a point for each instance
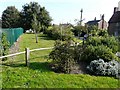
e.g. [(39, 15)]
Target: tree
[(27, 15), (10, 17), (44, 18), (35, 26), (79, 30)]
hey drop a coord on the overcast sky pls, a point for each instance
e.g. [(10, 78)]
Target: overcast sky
[(63, 11)]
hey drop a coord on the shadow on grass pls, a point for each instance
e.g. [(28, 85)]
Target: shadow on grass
[(13, 65), (45, 37), (42, 56), (40, 66)]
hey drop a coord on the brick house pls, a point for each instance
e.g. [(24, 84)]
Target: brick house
[(101, 24), (114, 22)]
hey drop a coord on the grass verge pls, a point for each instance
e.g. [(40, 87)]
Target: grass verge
[(38, 75)]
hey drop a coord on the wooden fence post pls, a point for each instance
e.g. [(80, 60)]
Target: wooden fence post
[(27, 54)]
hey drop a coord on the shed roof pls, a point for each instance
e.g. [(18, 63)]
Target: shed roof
[(93, 22)]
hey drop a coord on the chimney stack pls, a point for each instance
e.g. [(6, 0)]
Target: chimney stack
[(115, 9), (102, 18), (95, 19)]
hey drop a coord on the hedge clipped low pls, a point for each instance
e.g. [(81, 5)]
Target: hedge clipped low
[(99, 67)]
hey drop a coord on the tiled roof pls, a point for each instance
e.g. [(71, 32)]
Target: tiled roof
[(115, 17), (93, 22)]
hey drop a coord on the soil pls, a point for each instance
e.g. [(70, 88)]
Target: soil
[(80, 69)]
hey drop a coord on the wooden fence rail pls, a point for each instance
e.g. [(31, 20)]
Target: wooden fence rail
[(27, 54)]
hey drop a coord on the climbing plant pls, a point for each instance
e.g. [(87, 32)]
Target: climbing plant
[(5, 46)]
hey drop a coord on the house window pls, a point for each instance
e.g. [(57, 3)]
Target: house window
[(116, 33), (117, 24)]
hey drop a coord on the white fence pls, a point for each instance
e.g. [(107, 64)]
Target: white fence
[(27, 54)]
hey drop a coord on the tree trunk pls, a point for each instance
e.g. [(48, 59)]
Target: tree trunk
[(36, 37)]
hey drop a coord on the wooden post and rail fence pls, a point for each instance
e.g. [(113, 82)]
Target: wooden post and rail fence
[(27, 54)]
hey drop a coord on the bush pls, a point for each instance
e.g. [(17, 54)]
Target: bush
[(108, 41), (5, 46), (99, 67), (63, 57), (56, 33), (95, 52)]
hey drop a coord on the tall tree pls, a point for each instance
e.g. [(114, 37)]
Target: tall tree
[(34, 8), (10, 17), (27, 14), (44, 18)]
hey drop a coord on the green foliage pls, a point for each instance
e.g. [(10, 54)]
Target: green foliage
[(102, 46), (103, 33), (42, 15), (39, 75), (10, 17), (5, 46), (79, 30), (61, 33), (94, 31), (99, 67), (108, 41), (44, 19), (95, 52), (63, 57)]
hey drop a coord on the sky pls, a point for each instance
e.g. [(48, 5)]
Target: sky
[(63, 11)]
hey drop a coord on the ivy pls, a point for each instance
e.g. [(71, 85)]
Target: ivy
[(5, 46)]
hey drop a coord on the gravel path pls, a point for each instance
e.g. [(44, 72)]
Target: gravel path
[(15, 47)]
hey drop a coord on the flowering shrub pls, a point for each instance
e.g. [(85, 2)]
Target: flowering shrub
[(99, 67)]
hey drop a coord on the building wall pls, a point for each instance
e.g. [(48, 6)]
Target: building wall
[(114, 29), (105, 25)]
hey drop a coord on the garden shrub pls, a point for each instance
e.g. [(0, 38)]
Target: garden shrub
[(95, 52), (99, 67), (103, 33), (63, 57), (56, 33), (108, 41)]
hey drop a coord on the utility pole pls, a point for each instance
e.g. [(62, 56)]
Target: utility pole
[(81, 11)]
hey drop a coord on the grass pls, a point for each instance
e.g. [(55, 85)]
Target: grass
[(38, 75)]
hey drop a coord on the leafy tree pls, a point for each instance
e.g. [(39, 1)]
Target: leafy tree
[(27, 15), (10, 17), (79, 30), (44, 19)]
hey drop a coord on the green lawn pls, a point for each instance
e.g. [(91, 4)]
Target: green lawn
[(38, 75)]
